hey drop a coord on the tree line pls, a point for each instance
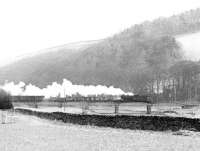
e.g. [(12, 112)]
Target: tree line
[(179, 82)]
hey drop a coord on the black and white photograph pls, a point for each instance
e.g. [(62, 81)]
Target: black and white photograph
[(99, 75)]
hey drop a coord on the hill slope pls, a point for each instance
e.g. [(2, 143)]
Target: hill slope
[(122, 60)]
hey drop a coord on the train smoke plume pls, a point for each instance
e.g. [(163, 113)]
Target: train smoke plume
[(55, 89)]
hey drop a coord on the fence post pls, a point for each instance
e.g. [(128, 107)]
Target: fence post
[(3, 118), (35, 102), (85, 107), (116, 108), (149, 108)]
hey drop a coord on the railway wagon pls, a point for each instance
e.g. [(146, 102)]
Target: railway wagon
[(30, 99), (136, 98)]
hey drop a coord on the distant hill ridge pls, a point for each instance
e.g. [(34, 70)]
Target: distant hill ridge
[(74, 46), (121, 60)]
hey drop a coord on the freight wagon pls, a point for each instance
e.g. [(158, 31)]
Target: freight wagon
[(20, 98)]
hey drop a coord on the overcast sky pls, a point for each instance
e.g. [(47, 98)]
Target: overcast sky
[(31, 25)]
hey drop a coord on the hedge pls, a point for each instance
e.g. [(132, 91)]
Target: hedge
[(155, 123)]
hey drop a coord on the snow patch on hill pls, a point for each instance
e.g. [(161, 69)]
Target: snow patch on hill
[(190, 44)]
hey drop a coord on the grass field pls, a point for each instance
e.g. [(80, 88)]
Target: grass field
[(28, 133)]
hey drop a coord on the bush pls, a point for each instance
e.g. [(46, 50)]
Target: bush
[(5, 100)]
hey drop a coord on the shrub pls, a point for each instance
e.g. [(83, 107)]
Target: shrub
[(5, 100)]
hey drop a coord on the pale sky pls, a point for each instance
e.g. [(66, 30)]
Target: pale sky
[(31, 25)]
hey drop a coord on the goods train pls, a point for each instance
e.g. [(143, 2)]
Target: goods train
[(89, 98)]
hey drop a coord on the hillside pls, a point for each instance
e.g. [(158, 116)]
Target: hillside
[(123, 60)]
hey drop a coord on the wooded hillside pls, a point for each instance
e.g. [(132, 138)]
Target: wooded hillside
[(130, 60)]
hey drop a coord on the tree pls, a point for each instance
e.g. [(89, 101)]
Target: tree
[(142, 82), (164, 53), (186, 77), (5, 100)]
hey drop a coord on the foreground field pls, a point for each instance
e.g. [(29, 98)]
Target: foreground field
[(27, 133)]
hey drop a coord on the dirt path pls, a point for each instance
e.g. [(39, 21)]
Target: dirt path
[(29, 133)]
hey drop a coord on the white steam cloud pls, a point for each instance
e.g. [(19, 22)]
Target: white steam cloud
[(55, 89)]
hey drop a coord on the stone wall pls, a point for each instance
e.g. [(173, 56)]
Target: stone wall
[(155, 123)]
